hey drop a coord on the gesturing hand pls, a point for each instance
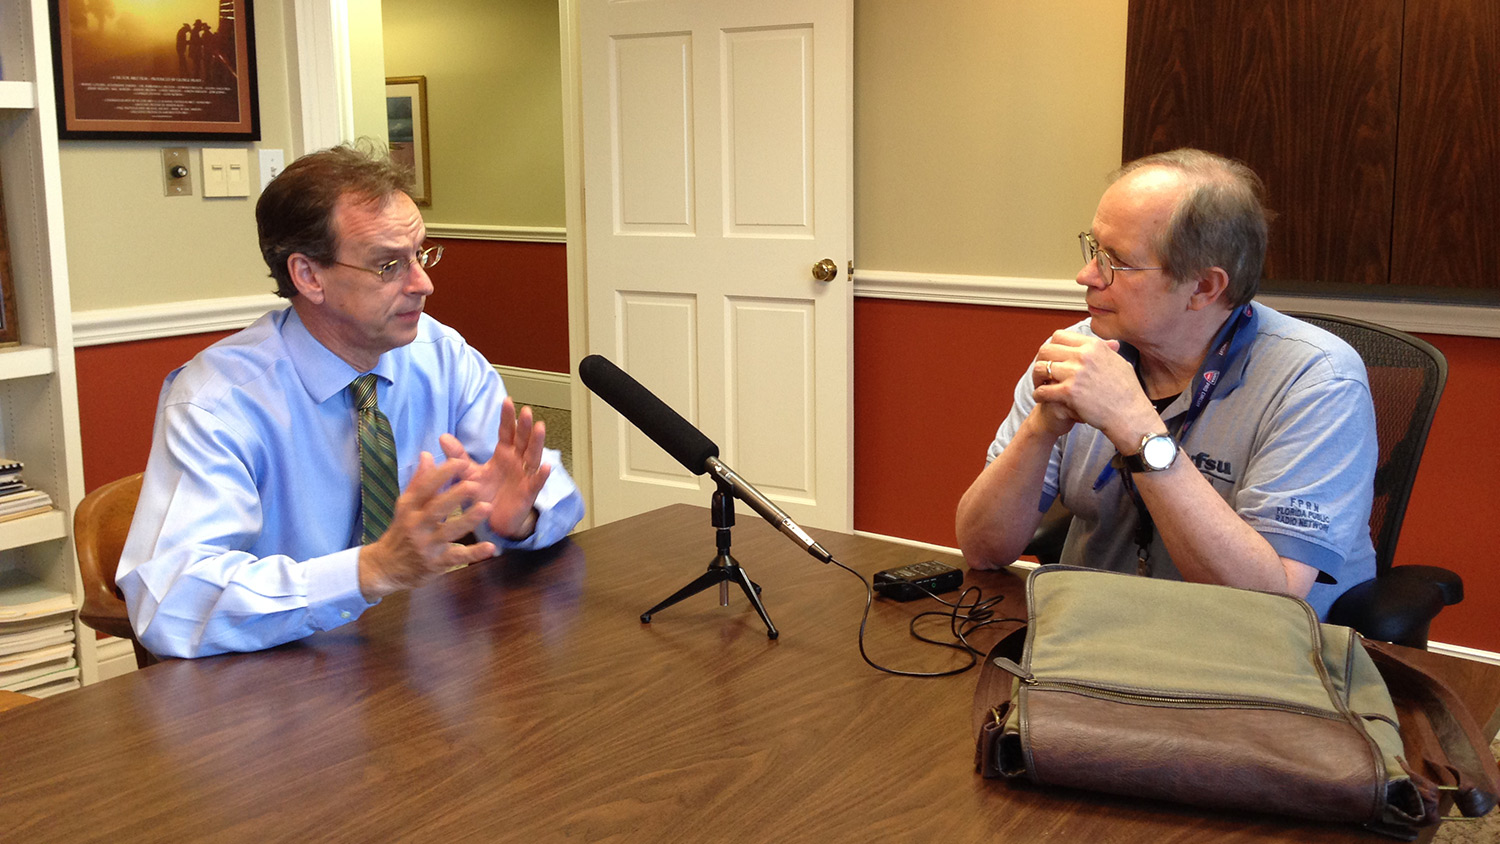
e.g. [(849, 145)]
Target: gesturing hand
[(437, 507), (511, 479)]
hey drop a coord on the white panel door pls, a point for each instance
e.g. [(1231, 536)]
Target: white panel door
[(717, 171)]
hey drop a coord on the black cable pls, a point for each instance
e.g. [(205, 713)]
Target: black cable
[(964, 617)]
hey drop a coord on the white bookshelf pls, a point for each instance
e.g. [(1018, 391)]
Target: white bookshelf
[(38, 383)]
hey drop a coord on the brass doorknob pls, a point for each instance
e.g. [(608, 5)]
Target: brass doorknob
[(825, 270)]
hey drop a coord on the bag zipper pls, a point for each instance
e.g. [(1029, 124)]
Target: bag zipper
[(1155, 698)]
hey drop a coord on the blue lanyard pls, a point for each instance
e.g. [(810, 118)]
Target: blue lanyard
[(1204, 383), (1227, 343)]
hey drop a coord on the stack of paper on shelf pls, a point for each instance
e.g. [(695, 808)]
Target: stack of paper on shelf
[(36, 637), (16, 498)]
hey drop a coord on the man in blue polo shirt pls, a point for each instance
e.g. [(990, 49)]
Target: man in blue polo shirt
[(1193, 434)]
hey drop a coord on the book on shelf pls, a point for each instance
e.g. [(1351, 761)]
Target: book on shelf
[(57, 687), (37, 675), (26, 659), (20, 505), (10, 467), (22, 597), (59, 632)]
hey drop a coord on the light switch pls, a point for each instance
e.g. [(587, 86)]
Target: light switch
[(226, 172), (271, 163)]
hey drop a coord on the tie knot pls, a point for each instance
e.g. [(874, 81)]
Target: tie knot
[(364, 391)]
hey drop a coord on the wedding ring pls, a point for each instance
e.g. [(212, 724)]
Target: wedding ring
[(1049, 370)]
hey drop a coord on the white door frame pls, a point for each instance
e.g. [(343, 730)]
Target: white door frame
[(578, 292), (323, 93)]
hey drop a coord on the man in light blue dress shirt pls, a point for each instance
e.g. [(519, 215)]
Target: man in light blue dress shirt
[(248, 530)]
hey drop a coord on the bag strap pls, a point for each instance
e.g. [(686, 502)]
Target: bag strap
[(1454, 747), (993, 691)]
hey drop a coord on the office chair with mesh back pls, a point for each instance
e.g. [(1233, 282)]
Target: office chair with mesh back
[(1406, 380), (100, 525)]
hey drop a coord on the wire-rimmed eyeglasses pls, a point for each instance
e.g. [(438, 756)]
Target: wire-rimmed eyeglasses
[(1107, 266), (396, 267)]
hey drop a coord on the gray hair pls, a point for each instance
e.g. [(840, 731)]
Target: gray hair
[(1220, 221)]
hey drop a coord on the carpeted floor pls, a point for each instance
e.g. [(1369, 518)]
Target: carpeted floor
[(559, 431), (1486, 830)]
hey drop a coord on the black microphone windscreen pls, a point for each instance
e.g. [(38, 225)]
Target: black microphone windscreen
[(651, 415)]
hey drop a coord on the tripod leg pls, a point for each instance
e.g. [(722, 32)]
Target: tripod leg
[(752, 592), (705, 580)]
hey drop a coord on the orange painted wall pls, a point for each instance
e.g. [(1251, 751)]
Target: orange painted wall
[(931, 384), (118, 385), (509, 300), (933, 381)]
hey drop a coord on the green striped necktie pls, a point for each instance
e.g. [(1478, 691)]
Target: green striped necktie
[(378, 486)]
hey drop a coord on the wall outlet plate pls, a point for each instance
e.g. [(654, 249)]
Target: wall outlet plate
[(176, 175)]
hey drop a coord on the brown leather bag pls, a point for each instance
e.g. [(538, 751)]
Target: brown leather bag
[(1222, 698)]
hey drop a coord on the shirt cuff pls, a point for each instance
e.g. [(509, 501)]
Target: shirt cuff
[(333, 596)]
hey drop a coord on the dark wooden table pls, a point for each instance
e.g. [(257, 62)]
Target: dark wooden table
[(522, 699)]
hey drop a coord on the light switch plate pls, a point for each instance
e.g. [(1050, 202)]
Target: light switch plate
[(173, 158), (272, 162), (225, 172)]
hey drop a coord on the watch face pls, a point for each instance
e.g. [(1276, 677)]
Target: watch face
[(1157, 452)]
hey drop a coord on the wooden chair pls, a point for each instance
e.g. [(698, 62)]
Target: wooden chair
[(100, 525), (11, 700)]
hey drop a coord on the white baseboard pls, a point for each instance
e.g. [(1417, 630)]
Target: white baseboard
[(114, 657), (1464, 653), (537, 386)]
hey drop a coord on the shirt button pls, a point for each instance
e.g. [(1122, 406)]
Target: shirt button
[(344, 614)]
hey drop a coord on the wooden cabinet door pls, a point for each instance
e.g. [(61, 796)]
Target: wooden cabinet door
[(1448, 161), (1306, 93)]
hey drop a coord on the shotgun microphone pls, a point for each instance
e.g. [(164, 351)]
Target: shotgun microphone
[(687, 445)]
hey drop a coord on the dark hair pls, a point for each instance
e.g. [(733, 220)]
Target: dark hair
[(295, 212), (1220, 221)]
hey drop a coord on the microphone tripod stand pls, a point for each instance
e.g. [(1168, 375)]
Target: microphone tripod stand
[(723, 570)]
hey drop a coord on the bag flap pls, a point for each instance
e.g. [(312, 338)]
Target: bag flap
[(1170, 637)]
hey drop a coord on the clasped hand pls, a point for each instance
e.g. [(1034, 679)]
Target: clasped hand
[(1079, 378)]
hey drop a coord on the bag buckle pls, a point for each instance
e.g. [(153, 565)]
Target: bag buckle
[(1458, 817)]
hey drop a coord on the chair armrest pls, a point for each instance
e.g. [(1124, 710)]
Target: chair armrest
[(1392, 608), (1447, 582), (106, 616)]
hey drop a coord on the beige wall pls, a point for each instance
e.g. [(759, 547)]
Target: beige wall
[(128, 244), (494, 104), (983, 130)]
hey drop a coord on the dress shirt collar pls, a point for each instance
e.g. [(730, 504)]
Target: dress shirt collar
[(323, 373)]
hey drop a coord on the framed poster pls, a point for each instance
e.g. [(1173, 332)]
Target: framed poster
[(10, 334), (155, 69), (406, 119)]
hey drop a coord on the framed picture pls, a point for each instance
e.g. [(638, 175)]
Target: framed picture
[(406, 118), (155, 69), (10, 335)]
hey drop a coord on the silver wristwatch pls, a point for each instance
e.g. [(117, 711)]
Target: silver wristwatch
[(1156, 454)]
